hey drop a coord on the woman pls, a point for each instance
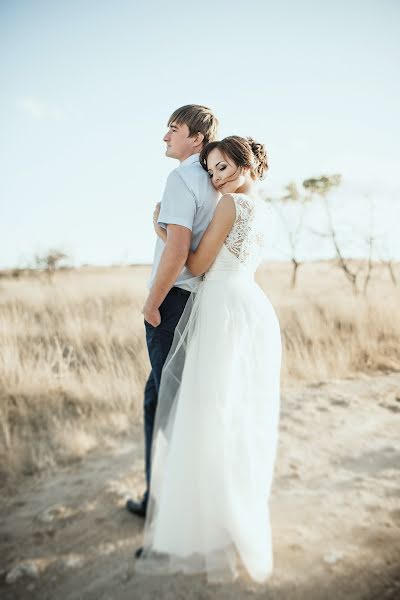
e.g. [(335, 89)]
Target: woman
[(215, 435)]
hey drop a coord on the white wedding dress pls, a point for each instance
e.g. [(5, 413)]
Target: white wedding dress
[(215, 435)]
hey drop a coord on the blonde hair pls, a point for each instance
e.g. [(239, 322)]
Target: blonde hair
[(199, 119)]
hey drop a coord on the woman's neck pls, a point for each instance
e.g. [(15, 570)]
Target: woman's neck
[(246, 188)]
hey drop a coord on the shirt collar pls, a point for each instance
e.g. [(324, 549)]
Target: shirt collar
[(190, 159)]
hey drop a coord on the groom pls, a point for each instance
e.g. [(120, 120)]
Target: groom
[(187, 207)]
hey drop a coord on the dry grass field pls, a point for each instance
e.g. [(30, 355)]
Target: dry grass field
[(73, 359), (72, 367)]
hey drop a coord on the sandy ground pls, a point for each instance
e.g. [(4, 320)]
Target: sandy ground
[(335, 511)]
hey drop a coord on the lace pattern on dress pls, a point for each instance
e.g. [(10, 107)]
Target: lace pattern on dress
[(243, 241)]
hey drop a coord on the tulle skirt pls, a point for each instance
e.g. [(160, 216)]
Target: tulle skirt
[(215, 436)]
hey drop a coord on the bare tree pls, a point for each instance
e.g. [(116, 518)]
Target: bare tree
[(50, 261), (370, 240), (390, 266), (320, 187), (358, 274), (386, 261), (294, 233)]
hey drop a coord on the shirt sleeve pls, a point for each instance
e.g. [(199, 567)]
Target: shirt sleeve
[(178, 204)]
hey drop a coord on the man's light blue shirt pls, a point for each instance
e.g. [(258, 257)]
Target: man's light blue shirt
[(189, 200)]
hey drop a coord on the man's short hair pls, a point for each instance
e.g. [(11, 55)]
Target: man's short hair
[(199, 119)]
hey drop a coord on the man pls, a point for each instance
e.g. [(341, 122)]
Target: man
[(187, 207)]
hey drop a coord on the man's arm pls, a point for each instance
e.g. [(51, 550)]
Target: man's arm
[(199, 260), (171, 264)]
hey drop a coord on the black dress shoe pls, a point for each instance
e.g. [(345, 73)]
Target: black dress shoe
[(136, 508), (139, 552)]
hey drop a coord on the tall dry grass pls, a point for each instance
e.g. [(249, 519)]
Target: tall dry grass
[(73, 360)]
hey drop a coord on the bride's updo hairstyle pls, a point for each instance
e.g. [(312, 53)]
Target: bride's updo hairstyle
[(244, 152)]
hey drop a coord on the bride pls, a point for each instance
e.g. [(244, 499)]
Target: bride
[(216, 427)]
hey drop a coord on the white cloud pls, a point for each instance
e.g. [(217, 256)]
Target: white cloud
[(39, 110)]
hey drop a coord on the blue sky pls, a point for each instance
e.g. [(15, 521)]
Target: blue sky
[(86, 89)]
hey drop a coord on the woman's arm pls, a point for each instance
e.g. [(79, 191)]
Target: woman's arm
[(160, 231), (211, 243)]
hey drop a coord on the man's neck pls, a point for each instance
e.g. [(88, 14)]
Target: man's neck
[(181, 160)]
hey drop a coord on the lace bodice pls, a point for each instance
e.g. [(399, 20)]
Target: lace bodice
[(242, 249)]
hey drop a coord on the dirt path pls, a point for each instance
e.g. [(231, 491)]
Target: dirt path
[(335, 512)]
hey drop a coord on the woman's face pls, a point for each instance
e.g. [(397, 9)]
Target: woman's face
[(225, 176)]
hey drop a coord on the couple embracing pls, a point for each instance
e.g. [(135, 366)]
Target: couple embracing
[(211, 403)]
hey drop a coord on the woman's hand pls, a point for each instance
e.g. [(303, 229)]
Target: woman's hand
[(156, 214), (160, 231)]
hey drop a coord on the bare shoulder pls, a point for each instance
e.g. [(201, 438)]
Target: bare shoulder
[(227, 199), (226, 209), (226, 204), (225, 212)]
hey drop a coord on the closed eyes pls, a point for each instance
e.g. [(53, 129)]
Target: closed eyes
[(210, 174)]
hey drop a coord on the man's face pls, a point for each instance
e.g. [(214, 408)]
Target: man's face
[(179, 144)]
